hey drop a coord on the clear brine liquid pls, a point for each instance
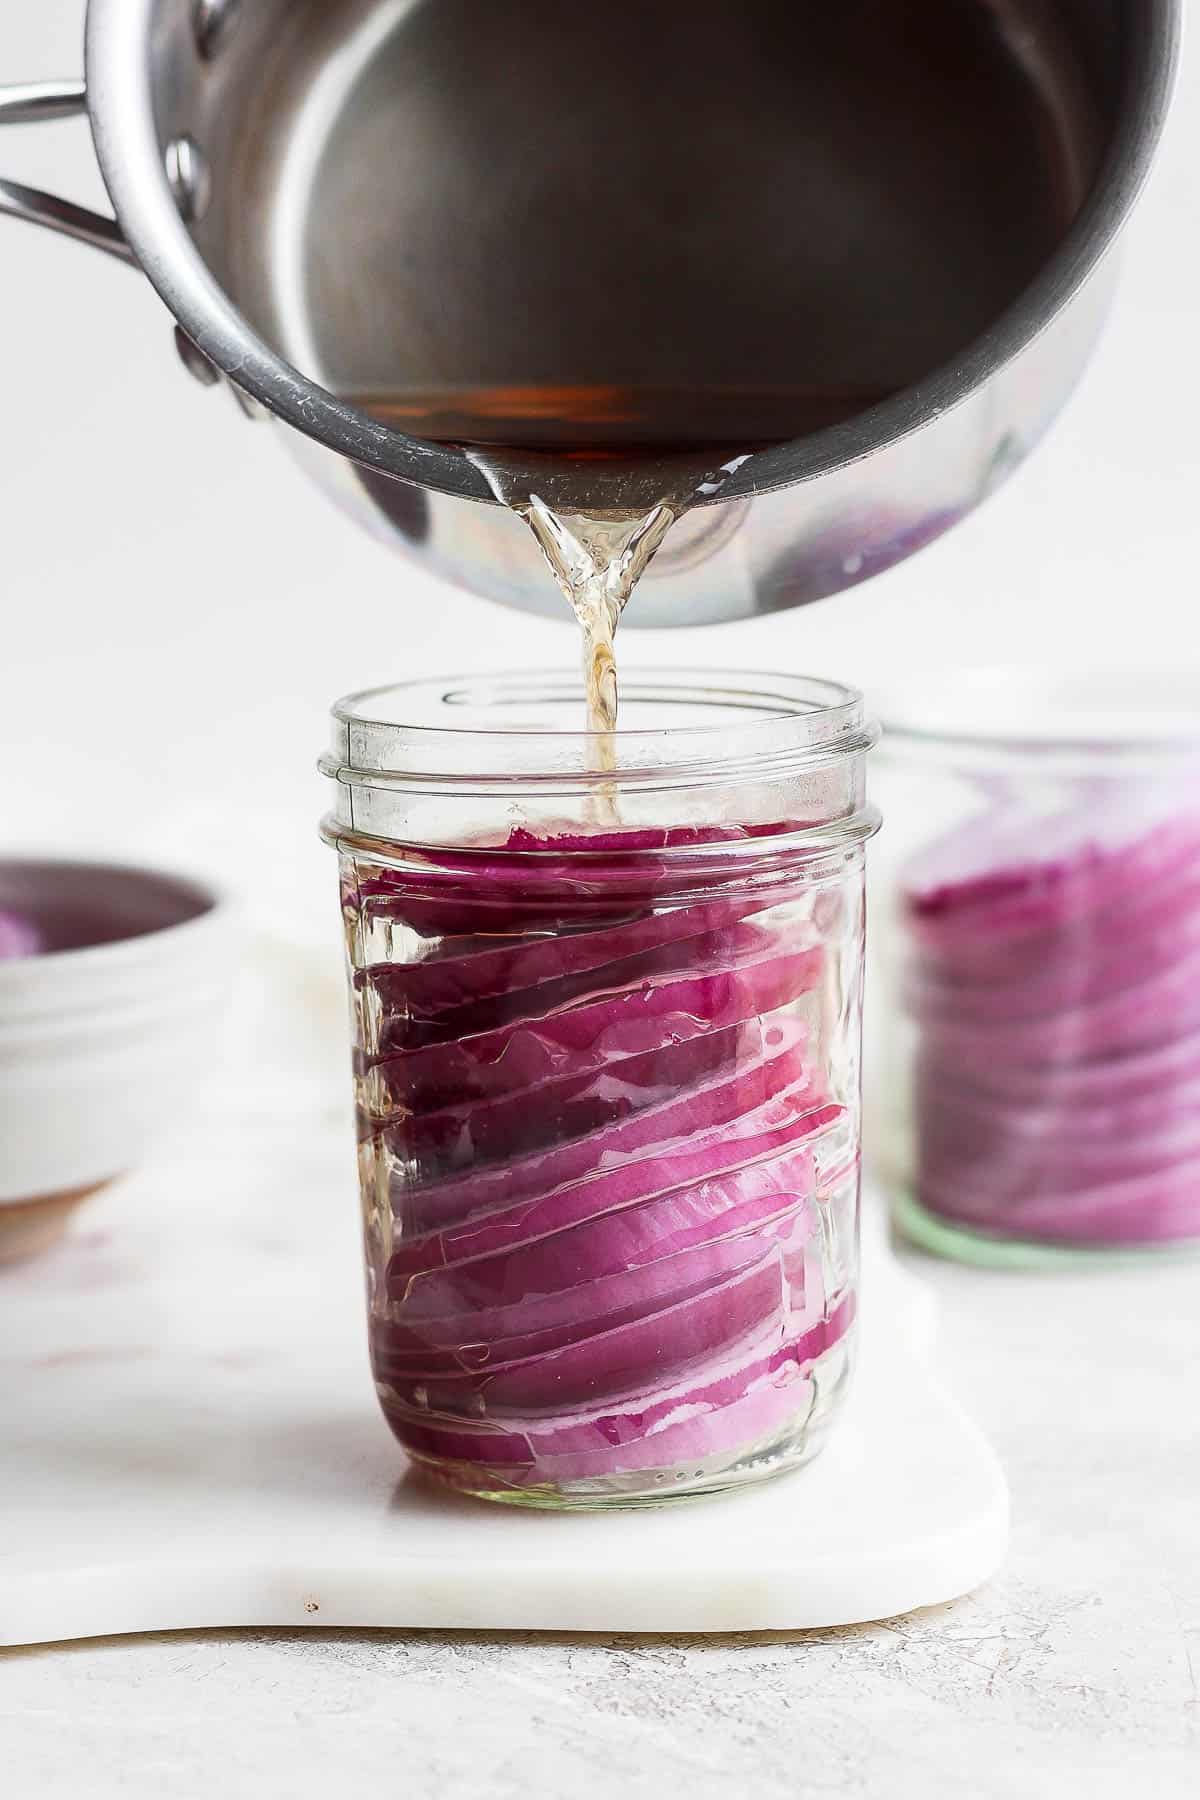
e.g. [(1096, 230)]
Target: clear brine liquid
[(597, 559)]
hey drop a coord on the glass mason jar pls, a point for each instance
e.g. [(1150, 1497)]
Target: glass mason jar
[(1039, 979), (607, 1032)]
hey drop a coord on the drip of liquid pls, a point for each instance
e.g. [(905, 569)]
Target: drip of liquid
[(597, 560), (679, 445)]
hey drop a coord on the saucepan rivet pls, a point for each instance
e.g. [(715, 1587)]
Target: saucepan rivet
[(188, 174), (212, 24)]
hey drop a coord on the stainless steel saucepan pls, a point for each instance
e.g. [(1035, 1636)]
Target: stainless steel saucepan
[(346, 198)]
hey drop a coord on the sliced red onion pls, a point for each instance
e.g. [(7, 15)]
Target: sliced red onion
[(694, 1086), (457, 977), (736, 1406), (1057, 997), (476, 1337), (616, 1225), (1061, 970), (19, 937), (682, 1336), (725, 987), (652, 1154), (599, 1149)]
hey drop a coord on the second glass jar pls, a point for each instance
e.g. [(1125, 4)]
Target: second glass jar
[(607, 1034), (1038, 981)]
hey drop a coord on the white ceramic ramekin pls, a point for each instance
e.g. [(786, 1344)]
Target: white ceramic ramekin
[(100, 1046)]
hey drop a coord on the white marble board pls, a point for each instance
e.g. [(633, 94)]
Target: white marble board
[(190, 1439)]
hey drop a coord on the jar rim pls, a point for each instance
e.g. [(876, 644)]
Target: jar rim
[(1088, 718), (784, 754), (430, 730)]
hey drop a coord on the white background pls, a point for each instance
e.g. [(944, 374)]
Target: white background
[(179, 607)]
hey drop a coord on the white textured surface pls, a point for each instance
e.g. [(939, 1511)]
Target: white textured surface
[(190, 1439)]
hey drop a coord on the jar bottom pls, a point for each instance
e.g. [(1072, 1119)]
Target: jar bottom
[(988, 1250), (828, 1379)]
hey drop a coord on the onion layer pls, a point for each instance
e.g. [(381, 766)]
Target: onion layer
[(597, 1140), (1054, 976)]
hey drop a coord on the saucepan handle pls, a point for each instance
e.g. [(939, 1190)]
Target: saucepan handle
[(34, 103)]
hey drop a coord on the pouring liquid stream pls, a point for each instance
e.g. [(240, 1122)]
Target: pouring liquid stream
[(677, 446), (597, 559), (692, 439)]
